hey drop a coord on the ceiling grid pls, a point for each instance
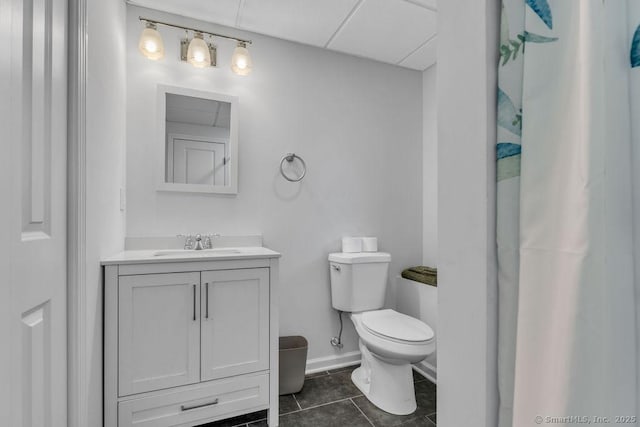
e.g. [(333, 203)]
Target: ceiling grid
[(399, 32)]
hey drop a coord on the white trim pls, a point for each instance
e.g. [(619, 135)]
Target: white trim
[(77, 391), (273, 414), (426, 370), (196, 188), (320, 364), (161, 145)]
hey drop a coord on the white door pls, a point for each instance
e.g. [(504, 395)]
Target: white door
[(199, 162), (33, 104), (158, 331), (235, 322)]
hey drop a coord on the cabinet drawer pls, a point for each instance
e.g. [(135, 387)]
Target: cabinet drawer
[(198, 403)]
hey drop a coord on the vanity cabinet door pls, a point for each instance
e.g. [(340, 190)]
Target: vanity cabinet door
[(158, 331), (235, 322)]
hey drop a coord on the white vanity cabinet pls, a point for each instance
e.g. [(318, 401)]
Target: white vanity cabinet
[(189, 341), (235, 322), (158, 331)]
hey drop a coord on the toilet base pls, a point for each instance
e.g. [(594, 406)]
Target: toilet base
[(389, 386)]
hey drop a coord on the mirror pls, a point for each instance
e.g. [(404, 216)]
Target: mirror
[(198, 136)]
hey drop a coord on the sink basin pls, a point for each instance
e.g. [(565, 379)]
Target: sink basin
[(203, 252)]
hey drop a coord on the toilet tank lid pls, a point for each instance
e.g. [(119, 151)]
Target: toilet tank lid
[(359, 257)]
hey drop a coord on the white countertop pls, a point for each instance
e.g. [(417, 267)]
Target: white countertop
[(177, 255)]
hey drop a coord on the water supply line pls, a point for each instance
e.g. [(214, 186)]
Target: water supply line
[(337, 341)]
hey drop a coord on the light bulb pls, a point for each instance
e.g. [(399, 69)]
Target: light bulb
[(241, 60), (150, 44), (198, 52)]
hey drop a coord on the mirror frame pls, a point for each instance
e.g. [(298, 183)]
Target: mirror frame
[(161, 154)]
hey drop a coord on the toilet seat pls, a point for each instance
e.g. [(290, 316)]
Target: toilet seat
[(391, 325)]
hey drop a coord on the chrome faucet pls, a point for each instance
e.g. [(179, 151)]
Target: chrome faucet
[(198, 245), (198, 242)]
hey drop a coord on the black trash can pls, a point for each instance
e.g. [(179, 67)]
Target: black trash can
[(293, 361)]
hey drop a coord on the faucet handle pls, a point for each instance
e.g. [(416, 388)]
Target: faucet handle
[(188, 240), (208, 240)]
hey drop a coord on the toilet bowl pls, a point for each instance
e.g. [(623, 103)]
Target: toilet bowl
[(389, 343)]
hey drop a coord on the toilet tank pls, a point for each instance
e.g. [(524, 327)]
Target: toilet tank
[(358, 280)]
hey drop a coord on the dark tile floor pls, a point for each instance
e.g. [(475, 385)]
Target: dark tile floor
[(330, 399)]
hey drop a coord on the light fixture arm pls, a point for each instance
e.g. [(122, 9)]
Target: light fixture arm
[(153, 21)]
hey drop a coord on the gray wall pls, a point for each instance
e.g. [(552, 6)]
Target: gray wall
[(467, 287), (105, 163), (429, 167), (356, 122)]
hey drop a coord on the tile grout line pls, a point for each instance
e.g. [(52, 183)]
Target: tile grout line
[(297, 403), (363, 414), (247, 424), (325, 404)]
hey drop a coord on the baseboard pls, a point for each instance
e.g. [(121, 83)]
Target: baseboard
[(332, 362), (427, 370), (353, 358)]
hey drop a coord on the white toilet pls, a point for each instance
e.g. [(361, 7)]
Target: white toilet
[(389, 341)]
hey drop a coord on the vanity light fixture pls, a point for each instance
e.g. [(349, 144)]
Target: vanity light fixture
[(241, 61), (150, 44), (200, 54), (196, 51)]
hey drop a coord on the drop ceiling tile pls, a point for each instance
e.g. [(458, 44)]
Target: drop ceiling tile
[(223, 12), (424, 57), (386, 30), (305, 21), (429, 4)]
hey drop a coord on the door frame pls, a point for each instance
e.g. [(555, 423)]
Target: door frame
[(77, 357)]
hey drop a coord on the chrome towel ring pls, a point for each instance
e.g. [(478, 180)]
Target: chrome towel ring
[(290, 157)]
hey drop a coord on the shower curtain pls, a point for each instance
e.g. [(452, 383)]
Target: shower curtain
[(568, 212)]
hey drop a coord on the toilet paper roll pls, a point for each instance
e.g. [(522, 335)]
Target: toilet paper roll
[(369, 244), (351, 244)]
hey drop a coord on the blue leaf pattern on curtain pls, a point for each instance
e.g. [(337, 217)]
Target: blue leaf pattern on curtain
[(508, 117), (635, 49), (507, 149), (509, 48), (508, 155), (536, 38), (542, 9)]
